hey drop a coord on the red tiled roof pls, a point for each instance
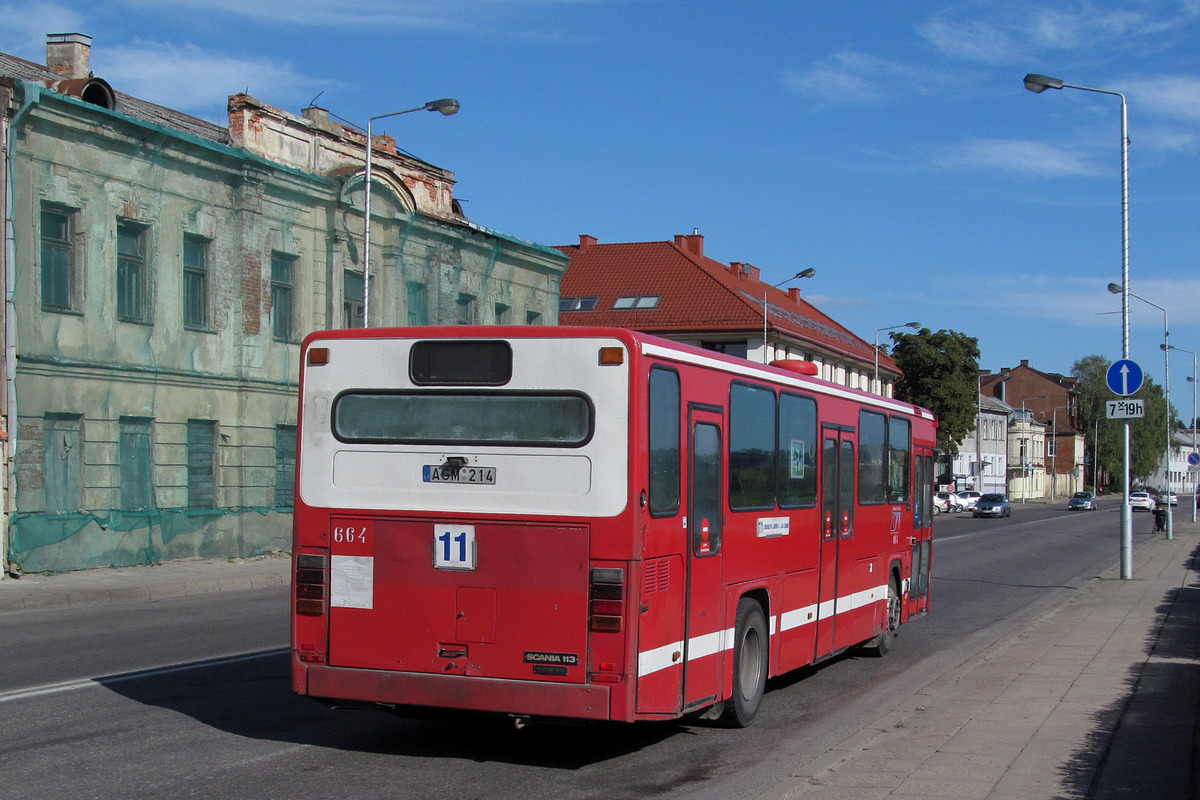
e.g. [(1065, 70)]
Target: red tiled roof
[(698, 294)]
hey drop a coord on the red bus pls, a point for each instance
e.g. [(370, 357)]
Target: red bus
[(591, 523)]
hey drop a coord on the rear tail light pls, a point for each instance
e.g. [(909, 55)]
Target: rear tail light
[(312, 584), (606, 600)]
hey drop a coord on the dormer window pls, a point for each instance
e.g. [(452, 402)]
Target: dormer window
[(644, 301), (578, 304)]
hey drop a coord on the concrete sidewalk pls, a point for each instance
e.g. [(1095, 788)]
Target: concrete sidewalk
[(1097, 699), (132, 584)]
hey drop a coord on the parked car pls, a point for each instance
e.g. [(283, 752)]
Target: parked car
[(1141, 501), (969, 497), (956, 503), (993, 505), (1170, 497), (1082, 500), (941, 505)]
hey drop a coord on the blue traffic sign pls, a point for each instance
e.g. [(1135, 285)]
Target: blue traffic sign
[(1124, 377), (1194, 459)]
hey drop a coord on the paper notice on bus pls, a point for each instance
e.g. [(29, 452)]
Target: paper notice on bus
[(770, 527), (352, 581)]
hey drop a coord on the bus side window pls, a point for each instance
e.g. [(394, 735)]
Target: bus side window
[(872, 457), (664, 449), (796, 451), (899, 458)]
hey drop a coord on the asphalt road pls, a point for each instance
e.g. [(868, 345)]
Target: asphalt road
[(190, 697)]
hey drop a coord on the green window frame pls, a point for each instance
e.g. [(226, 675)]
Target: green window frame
[(195, 283), (283, 292), (58, 259), (132, 276)]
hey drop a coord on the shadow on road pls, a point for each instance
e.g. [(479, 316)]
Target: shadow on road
[(251, 697)]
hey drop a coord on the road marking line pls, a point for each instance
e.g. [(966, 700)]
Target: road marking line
[(108, 680)]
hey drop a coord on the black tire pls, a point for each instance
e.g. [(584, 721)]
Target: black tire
[(881, 644), (750, 646)]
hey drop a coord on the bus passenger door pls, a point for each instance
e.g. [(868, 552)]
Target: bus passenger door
[(837, 524), (922, 538), (703, 635)]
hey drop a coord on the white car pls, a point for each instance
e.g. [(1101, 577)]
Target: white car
[(956, 502), (969, 497), (1141, 500)]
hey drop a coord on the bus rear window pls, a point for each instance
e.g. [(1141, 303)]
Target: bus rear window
[(461, 363), (512, 418)]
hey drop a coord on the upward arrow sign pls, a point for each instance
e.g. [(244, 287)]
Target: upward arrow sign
[(1124, 377)]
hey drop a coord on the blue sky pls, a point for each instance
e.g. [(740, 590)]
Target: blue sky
[(891, 146)]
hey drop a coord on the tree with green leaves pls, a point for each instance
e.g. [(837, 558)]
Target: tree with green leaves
[(941, 373), (1105, 438)]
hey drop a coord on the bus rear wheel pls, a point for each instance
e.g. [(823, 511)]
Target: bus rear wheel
[(880, 645), (750, 645)]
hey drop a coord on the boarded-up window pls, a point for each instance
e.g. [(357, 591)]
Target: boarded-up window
[(62, 439), (285, 465), (137, 487), (202, 459), (417, 308)]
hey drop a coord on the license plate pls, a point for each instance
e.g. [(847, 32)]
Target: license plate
[(476, 475)]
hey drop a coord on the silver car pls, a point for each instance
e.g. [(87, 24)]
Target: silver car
[(992, 505), (1085, 501)]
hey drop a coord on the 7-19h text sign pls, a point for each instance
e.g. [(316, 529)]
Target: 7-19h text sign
[(1125, 409)]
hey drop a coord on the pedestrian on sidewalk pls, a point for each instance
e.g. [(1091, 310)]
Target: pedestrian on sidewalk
[(1160, 519)]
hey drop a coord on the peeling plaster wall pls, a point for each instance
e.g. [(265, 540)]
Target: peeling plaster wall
[(91, 366)]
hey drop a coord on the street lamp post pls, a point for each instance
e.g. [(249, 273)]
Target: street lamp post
[(804, 273), (447, 107), (1038, 84), (1191, 380), (913, 325), (1166, 348)]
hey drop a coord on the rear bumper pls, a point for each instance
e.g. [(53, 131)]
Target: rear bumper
[(459, 692)]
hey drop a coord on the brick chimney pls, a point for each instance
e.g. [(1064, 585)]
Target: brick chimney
[(692, 243), (794, 294), (586, 241), (69, 55)]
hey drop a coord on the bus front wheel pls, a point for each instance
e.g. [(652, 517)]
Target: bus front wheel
[(750, 645)]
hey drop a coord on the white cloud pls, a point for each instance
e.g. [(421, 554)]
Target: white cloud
[(1006, 33), (467, 16), (25, 26), (193, 79), (1173, 97), (1085, 302), (1024, 157), (853, 77)]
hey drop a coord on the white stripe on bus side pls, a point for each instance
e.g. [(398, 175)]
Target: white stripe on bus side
[(709, 644)]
